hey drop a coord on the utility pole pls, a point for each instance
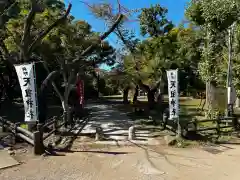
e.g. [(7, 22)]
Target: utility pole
[(229, 73)]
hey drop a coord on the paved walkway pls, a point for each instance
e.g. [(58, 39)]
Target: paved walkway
[(115, 124)]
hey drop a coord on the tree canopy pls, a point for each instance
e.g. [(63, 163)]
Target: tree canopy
[(45, 32)]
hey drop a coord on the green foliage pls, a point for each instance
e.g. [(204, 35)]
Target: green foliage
[(214, 17), (61, 50), (63, 42), (217, 15), (167, 47), (153, 21), (199, 50)]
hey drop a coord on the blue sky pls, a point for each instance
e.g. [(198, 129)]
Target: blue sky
[(80, 11)]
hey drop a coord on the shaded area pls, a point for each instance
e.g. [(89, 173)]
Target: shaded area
[(71, 134), (113, 123), (189, 110), (93, 151), (14, 111)]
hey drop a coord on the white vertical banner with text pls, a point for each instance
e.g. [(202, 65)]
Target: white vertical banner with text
[(172, 76), (26, 77)]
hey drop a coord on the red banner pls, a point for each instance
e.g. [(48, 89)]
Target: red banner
[(80, 91)]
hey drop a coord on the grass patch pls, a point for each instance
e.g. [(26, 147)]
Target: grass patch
[(24, 126), (189, 110), (183, 143), (224, 138)]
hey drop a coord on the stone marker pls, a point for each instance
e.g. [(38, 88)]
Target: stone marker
[(99, 134), (131, 133)]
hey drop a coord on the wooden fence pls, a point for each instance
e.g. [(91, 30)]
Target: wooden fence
[(218, 124), (194, 126), (19, 132), (35, 138)]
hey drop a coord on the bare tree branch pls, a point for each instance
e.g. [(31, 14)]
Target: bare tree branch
[(87, 4), (102, 37), (119, 6), (112, 28), (125, 42), (53, 83), (43, 33), (51, 76)]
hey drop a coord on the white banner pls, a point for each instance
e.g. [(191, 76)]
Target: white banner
[(26, 77), (172, 76)]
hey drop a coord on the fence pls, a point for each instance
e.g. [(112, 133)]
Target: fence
[(18, 131), (220, 123), (194, 126), (35, 138)]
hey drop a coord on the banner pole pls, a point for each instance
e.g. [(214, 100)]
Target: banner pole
[(35, 82), (178, 119)]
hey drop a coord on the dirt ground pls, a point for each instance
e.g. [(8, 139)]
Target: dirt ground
[(105, 162), (129, 163)]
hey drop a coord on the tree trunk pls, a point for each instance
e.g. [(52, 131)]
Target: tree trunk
[(210, 97), (125, 95), (150, 93), (65, 106), (66, 110), (53, 83), (11, 82), (42, 97), (42, 106), (136, 94), (160, 94), (208, 93), (159, 101), (151, 99)]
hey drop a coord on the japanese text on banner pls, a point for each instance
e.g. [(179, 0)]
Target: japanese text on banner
[(26, 79), (172, 76)]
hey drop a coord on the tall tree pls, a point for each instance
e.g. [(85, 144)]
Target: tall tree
[(153, 21), (214, 18)]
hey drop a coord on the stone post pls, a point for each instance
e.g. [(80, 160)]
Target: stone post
[(131, 133), (99, 134)]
